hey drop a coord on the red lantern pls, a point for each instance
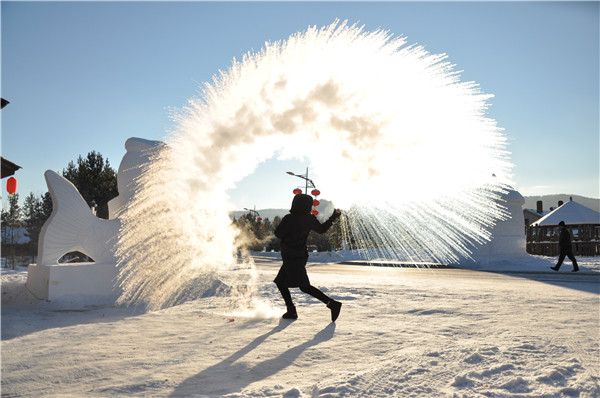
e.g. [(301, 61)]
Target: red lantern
[(11, 185), (297, 191), (316, 203), (259, 219), (315, 192), (315, 212)]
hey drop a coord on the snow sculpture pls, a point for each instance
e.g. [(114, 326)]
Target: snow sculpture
[(139, 152), (508, 236), (73, 227)]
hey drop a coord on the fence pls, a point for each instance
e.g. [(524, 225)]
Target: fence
[(543, 240)]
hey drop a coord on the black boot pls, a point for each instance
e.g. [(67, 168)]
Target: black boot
[(291, 313), (335, 307), (575, 269), (554, 268)]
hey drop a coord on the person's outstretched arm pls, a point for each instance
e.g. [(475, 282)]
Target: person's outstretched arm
[(322, 228)]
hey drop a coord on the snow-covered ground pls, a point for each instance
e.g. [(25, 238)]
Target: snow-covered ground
[(523, 331)]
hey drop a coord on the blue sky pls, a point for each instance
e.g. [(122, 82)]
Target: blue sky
[(85, 76)]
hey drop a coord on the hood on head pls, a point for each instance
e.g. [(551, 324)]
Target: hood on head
[(302, 204)]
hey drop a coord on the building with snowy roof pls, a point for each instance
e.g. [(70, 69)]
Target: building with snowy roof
[(582, 222), (532, 215)]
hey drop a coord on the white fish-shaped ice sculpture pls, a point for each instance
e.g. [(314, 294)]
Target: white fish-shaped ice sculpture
[(73, 227)]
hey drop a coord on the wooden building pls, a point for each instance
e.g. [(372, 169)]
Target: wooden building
[(8, 168), (582, 222), (532, 215)]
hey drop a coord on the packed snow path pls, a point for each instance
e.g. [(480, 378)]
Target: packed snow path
[(402, 332)]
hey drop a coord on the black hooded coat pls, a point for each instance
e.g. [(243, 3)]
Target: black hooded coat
[(293, 232), (564, 239)]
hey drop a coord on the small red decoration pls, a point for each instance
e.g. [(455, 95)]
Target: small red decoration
[(259, 219), (297, 191), (315, 192), (315, 212), (11, 185), (316, 203)]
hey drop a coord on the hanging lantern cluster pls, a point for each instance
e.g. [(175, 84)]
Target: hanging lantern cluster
[(315, 193), (11, 186), (260, 223)]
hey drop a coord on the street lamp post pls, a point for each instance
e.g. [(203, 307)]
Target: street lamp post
[(256, 214), (304, 177), (310, 183)]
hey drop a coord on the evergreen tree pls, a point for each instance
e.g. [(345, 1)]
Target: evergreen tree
[(33, 219), (46, 205), (331, 240), (274, 243), (95, 180), (11, 219), (321, 241), (335, 235), (276, 222), (254, 235), (267, 228), (252, 227)]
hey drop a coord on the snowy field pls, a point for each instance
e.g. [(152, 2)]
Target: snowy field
[(526, 331)]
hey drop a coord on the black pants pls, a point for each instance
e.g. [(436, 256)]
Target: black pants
[(566, 252), (308, 289)]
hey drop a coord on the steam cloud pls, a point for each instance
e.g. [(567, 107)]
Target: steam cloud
[(400, 143)]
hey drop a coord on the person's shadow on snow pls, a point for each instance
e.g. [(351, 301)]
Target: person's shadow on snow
[(228, 377)]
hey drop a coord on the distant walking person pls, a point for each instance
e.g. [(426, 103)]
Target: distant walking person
[(564, 242), (293, 232)]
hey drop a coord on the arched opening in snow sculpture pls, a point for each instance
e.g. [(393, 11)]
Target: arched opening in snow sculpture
[(75, 257)]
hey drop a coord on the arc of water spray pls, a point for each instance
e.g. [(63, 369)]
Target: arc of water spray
[(398, 140)]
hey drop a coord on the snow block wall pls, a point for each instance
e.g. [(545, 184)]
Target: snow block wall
[(73, 227), (508, 236)]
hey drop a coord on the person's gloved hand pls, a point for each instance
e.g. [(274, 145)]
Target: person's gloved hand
[(336, 214)]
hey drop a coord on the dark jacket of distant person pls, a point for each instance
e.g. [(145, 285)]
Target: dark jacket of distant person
[(564, 239), (293, 232)]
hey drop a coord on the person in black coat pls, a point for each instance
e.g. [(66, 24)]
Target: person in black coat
[(293, 232), (564, 242)]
